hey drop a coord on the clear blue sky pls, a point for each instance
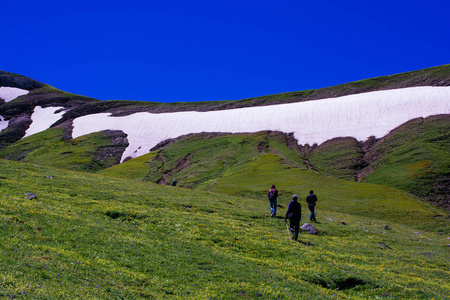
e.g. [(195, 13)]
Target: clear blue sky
[(198, 50)]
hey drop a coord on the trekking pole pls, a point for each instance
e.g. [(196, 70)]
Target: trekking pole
[(288, 229)]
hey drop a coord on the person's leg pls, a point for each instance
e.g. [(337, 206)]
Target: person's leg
[(271, 208), (312, 217), (292, 227), (275, 208), (314, 213), (296, 228)]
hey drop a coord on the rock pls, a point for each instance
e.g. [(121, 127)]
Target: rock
[(309, 228), (31, 196)]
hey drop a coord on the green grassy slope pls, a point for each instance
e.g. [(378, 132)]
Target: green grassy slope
[(52, 148), (87, 236), (241, 165), (367, 200), (201, 158), (340, 157), (416, 158)]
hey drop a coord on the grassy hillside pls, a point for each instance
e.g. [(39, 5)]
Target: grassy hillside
[(87, 236), (241, 165), (201, 158), (340, 157), (51, 147), (415, 157)]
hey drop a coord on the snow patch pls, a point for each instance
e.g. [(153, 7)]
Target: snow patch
[(358, 116), (11, 93), (3, 123), (43, 118)]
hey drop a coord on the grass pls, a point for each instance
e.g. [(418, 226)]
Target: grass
[(117, 235), (368, 200), (51, 148), (198, 158), (90, 236), (415, 158), (340, 158), (241, 165)]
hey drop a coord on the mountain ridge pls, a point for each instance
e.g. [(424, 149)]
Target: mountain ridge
[(343, 157)]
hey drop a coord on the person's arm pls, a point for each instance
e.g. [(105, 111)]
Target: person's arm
[(287, 211)]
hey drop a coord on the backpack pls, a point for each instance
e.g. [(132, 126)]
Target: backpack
[(271, 194)]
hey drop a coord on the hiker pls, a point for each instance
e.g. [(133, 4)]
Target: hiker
[(294, 214), (311, 199), (273, 194), (174, 182)]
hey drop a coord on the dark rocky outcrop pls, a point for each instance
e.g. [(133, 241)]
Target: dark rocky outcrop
[(19, 81)]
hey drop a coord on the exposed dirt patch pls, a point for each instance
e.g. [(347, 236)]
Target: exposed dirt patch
[(262, 147), (366, 147), (16, 130), (181, 164), (113, 153)]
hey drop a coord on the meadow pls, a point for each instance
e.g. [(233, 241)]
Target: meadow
[(89, 236)]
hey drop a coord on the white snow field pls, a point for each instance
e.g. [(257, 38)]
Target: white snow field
[(11, 93), (43, 118), (3, 123), (358, 116)]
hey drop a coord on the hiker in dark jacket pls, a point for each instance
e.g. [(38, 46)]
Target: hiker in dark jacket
[(294, 214), (273, 195), (311, 199)]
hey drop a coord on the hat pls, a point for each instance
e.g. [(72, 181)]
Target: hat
[(294, 197)]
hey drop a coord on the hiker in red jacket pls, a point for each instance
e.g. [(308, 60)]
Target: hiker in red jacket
[(273, 194)]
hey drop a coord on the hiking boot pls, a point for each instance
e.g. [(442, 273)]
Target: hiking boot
[(292, 232)]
